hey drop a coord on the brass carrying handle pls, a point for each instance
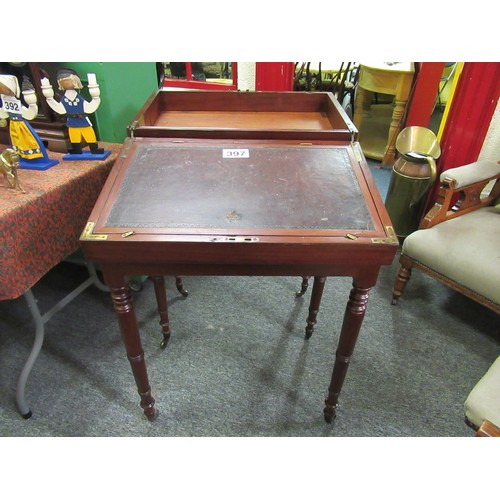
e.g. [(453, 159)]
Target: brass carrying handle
[(433, 169)]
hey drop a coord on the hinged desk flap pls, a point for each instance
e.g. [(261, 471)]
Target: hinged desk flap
[(246, 188), (243, 187)]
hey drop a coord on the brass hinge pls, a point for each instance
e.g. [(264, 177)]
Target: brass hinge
[(353, 130), (392, 238), (356, 149), (131, 128), (88, 236)]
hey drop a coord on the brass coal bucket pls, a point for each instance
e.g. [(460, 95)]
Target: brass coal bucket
[(413, 175)]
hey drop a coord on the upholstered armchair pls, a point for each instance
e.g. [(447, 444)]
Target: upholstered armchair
[(458, 241)]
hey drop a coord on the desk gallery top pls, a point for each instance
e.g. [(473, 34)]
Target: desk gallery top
[(243, 115)]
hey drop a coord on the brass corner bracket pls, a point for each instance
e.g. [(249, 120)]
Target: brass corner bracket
[(87, 234), (391, 238)]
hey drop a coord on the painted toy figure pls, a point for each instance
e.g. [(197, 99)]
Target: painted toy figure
[(76, 109), (24, 140), (9, 163)]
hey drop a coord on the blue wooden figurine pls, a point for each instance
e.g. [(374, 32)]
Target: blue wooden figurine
[(23, 138), (77, 108)]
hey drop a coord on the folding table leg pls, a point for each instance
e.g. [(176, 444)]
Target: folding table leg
[(40, 321)]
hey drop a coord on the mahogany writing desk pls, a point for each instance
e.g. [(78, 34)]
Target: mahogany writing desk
[(239, 208)]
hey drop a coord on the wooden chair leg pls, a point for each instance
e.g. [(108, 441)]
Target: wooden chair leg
[(487, 429), (402, 278)]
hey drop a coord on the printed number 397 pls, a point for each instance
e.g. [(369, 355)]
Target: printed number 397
[(235, 153)]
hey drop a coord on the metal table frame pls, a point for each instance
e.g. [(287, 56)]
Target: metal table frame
[(41, 319)]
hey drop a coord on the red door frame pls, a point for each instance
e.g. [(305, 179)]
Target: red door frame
[(424, 95)]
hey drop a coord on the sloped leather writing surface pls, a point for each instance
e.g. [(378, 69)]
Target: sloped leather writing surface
[(269, 188)]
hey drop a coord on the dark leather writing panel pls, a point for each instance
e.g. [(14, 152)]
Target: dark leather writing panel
[(240, 186)]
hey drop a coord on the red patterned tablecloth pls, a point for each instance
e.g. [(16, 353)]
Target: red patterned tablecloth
[(41, 227)]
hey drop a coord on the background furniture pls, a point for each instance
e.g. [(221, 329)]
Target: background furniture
[(384, 78), (41, 227), (458, 242)]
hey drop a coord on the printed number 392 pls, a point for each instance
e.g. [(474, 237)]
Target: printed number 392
[(11, 106)]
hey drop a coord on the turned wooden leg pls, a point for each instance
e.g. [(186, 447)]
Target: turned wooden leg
[(161, 301), (125, 313), (402, 278), (353, 318), (394, 129), (303, 287), (362, 106), (317, 293)]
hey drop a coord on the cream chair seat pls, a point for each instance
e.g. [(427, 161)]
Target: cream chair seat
[(482, 407)]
